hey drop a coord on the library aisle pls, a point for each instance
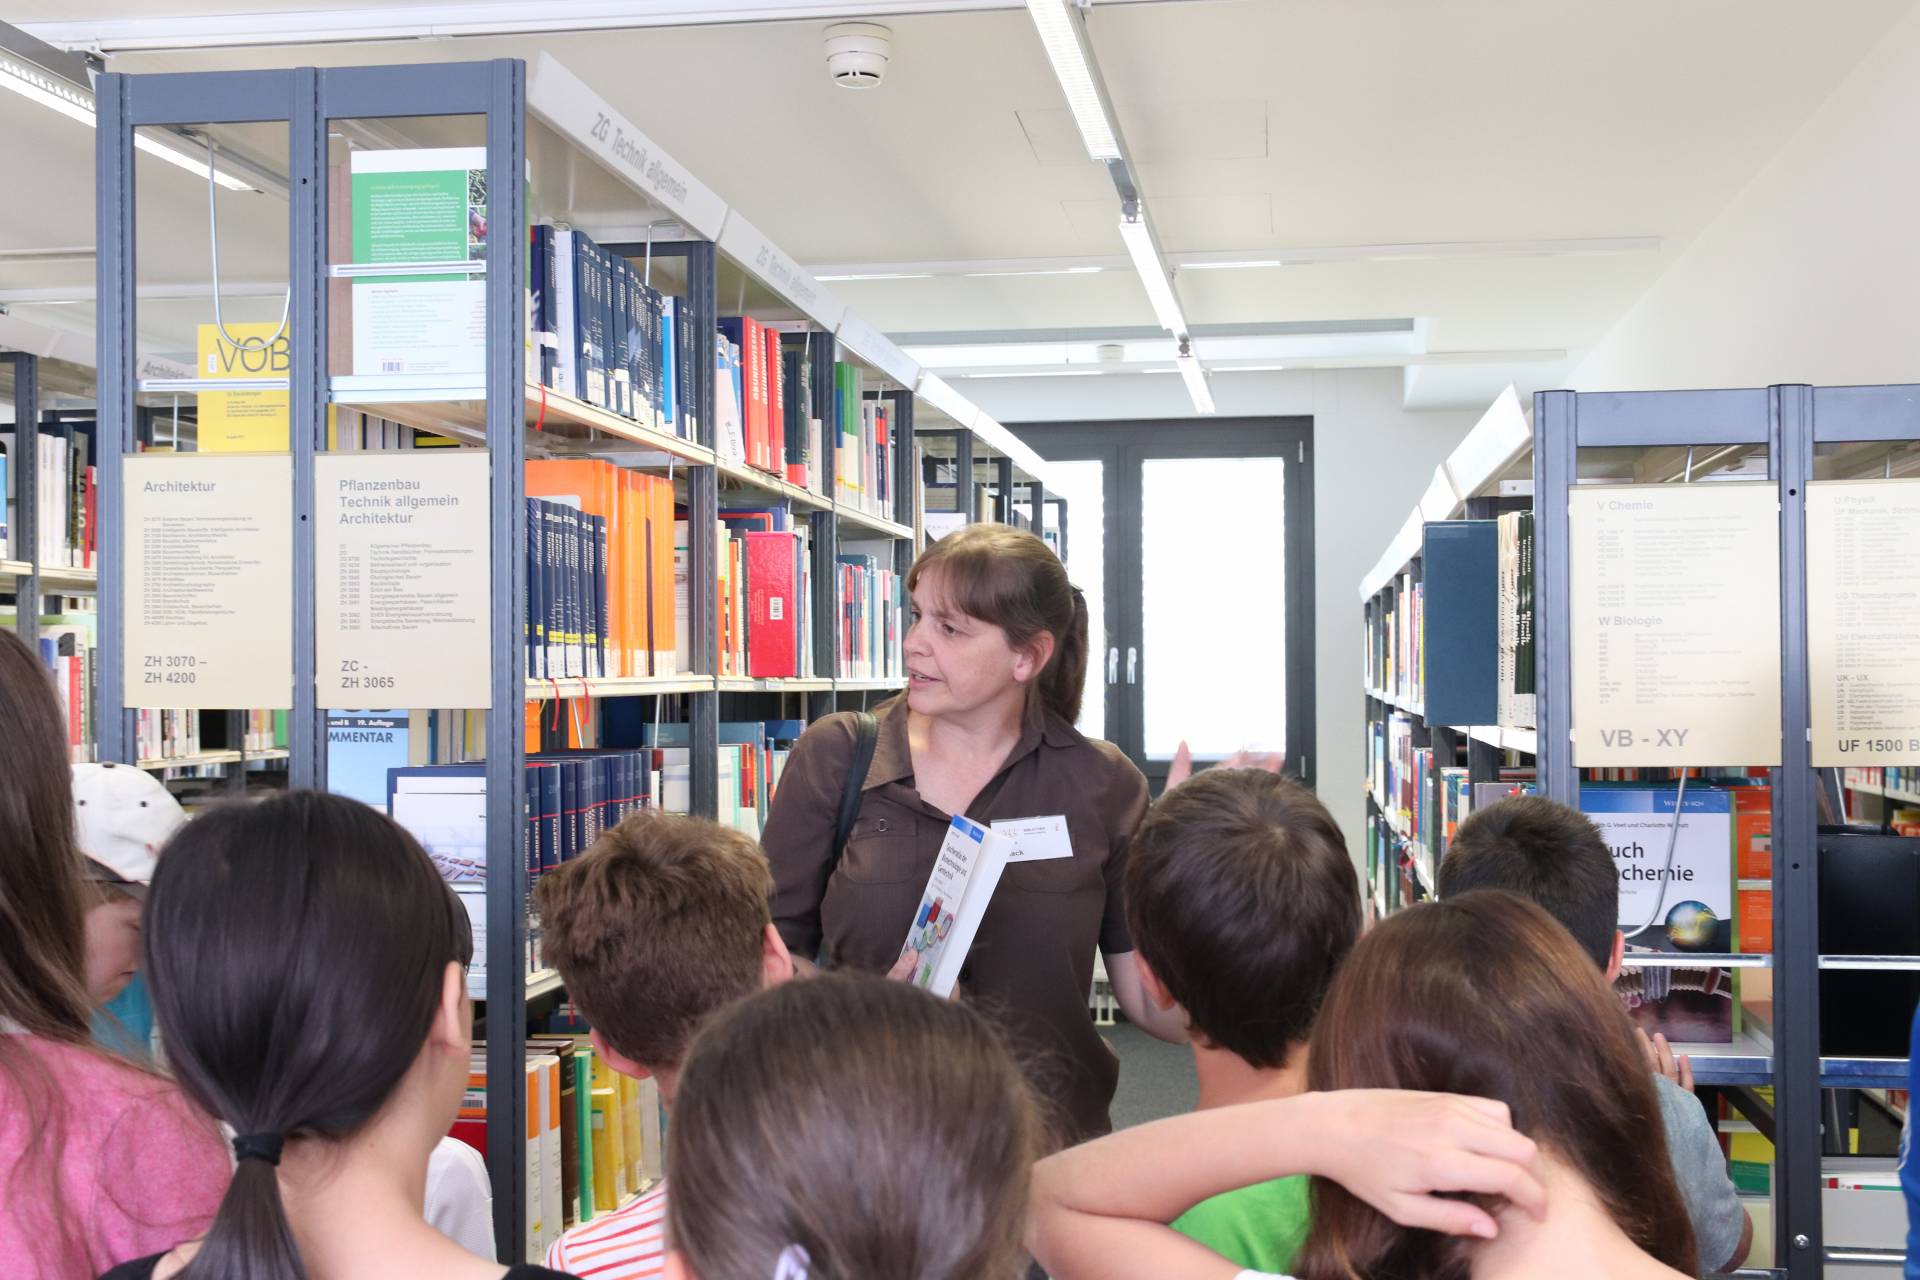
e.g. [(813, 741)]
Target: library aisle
[(526, 424)]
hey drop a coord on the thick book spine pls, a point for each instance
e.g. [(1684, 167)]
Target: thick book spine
[(669, 348), (536, 626), (619, 368), (599, 545), (564, 280)]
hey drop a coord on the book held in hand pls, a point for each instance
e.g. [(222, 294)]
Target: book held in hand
[(962, 884)]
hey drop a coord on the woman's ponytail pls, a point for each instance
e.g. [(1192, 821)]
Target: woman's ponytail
[(250, 1236), (1012, 579), (1064, 682)]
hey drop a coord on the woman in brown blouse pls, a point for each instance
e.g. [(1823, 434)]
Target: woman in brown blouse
[(996, 661)]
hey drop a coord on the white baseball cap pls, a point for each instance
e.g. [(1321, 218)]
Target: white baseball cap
[(123, 816)]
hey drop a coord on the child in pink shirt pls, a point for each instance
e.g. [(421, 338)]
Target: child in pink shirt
[(99, 1160)]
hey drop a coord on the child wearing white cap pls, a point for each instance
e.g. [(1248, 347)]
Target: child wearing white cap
[(122, 815)]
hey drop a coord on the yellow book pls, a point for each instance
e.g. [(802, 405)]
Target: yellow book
[(609, 1177), (630, 1131)]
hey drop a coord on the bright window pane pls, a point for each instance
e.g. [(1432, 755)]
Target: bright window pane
[(1083, 485), (1214, 642)]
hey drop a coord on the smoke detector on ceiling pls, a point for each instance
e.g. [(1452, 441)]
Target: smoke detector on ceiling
[(857, 53)]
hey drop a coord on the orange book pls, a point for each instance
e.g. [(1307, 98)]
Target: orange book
[(1753, 833), (1756, 921), (635, 494), (663, 615), (594, 487)]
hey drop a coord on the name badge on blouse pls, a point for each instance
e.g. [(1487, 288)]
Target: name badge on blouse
[(1036, 839)]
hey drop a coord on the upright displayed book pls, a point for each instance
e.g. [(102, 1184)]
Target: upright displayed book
[(1517, 660), (411, 207), (66, 491), (965, 874), (1675, 858)]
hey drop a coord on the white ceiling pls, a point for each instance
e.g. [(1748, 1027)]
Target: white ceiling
[(1255, 124)]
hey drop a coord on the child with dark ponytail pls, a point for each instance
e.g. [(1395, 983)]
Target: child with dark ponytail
[(308, 968)]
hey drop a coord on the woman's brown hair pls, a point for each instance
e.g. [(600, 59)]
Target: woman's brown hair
[(885, 1132), (42, 941), (1011, 579), (1487, 995)]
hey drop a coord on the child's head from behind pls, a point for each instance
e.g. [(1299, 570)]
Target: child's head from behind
[(659, 925), (123, 816), (1243, 903), (884, 1132), (1486, 995), (307, 966), (1549, 854)]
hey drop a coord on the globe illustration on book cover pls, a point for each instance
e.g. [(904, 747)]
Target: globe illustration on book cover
[(1691, 925)]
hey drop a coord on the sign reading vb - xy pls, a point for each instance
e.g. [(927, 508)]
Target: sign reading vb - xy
[(1625, 738)]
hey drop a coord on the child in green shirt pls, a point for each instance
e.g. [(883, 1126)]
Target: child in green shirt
[(1243, 902)]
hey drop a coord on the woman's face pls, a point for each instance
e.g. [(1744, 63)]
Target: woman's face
[(955, 662)]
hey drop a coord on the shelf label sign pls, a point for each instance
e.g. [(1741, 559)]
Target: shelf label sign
[(744, 243), (209, 581), (1676, 624), (1863, 622), (401, 579), (587, 120)]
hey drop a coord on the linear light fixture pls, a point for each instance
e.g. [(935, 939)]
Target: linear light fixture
[(57, 93), (1033, 271), (1232, 266), (1153, 272), (1196, 379), (880, 275), (1065, 39)]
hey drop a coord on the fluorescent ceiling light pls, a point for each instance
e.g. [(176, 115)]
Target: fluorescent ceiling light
[(75, 103), (1038, 373), (1153, 275), (1036, 271), (1065, 42), (880, 275), (1232, 266), (1196, 379)]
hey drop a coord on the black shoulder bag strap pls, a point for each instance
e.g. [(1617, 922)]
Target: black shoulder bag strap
[(866, 733)]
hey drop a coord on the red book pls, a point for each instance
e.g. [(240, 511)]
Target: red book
[(472, 1132), (773, 611), (776, 407)]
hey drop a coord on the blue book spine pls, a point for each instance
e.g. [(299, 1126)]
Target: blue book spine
[(647, 348), (597, 545), (603, 341), (619, 348), (688, 422), (667, 348), (586, 291), (553, 580), (639, 362), (549, 816), (536, 607), (575, 625)]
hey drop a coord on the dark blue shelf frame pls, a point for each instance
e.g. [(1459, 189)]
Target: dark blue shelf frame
[(1788, 421)]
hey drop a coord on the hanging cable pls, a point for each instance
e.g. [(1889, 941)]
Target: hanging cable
[(213, 242), (1666, 866)]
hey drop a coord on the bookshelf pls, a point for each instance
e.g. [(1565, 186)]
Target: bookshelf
[(1787, 436), (1788, 441), (1421, 582), (553, 155), (978, 470)]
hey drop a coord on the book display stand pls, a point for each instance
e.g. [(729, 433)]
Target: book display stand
[(449, 348), (1821, 467)]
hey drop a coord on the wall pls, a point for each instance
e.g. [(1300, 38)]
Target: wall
[(1810, 273), (1371, 461)]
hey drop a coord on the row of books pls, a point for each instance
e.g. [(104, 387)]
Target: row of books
[(604, 556), (1889, 780), (765, 568), (866, 457), (604, 335), (873, 619), (763, 396), (1517, 669), (1395, 651), (594, 1137), (64, 493)]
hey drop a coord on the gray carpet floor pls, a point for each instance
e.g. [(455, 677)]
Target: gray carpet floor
[(1156, 1078)]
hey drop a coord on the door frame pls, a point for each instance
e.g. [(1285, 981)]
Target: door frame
[(1122, 446)]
